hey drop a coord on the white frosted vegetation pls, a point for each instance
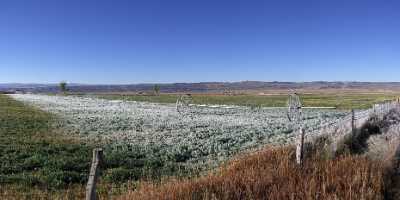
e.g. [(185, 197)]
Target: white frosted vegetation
[(209, 132)]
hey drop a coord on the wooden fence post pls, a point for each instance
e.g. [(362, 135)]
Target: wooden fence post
[(353, 122), (94, 173), (300, 147)]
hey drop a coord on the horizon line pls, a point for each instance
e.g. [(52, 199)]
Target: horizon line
[(166, 83)]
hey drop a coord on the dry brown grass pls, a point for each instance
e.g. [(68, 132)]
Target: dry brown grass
[(273, 174)]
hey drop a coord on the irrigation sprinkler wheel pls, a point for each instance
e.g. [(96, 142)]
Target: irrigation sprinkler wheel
[(294, 108), (183, 103)]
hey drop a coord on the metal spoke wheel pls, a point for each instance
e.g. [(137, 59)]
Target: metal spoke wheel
[(183, 103), (294, 108)]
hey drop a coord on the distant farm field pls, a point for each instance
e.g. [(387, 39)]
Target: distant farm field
[(338, 100)]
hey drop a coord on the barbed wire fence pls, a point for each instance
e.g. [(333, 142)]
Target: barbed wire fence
[(337, 130)]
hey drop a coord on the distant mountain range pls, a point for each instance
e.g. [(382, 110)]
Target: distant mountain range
[(204, 87)]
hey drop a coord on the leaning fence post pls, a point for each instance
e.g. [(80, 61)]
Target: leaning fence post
[(94, 173), (300, 147), (353, 122)]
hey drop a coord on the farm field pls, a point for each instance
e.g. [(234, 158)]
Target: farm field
[(203, 138), (340, 100), (141, 140)]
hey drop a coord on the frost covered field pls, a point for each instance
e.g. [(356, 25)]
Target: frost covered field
[(208, 134)]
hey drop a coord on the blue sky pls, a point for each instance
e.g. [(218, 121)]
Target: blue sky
[(128, 41)]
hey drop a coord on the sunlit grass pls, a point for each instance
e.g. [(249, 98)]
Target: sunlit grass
[(33, 154)]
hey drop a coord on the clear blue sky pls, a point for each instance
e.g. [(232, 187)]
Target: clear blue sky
[(128, 41)]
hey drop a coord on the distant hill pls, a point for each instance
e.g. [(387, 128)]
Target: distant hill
[(207, 87)]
